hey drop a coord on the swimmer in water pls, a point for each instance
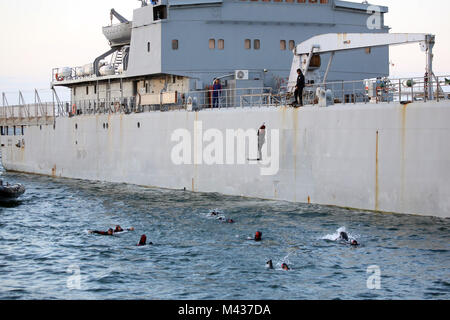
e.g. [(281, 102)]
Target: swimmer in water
[(110, 232), (214, 213), (119, 229), (343, 236), (225, 220), (143, 241), (269, 264), (285, 267), (258, 236)]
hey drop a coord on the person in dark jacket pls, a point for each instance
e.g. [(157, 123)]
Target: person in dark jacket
[(110, 232), (217, 88), (299, 87)]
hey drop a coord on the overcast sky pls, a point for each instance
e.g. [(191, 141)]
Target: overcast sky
[(39, 35)]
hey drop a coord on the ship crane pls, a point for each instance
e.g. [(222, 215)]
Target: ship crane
[(118, 16), (336, 42)]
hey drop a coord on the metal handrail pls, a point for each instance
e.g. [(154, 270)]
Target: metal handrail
[(361, 91)]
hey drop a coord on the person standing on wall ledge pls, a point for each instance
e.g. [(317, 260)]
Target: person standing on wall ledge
[(261, 140), (217, 87), (299, 87)]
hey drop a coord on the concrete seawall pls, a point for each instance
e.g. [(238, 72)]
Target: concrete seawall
[(383, 157)]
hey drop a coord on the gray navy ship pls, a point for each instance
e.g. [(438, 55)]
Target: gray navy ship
[(198, 95)]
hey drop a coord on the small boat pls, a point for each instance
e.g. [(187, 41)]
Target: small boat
[(11, 192)]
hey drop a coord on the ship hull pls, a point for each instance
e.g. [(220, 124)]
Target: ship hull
[(381, 157)]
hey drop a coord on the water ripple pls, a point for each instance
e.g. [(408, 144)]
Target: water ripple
[(44, 244)]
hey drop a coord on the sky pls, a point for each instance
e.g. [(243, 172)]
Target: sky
[(39, 35)]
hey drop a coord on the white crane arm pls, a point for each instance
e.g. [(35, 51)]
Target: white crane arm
[(333, 42)]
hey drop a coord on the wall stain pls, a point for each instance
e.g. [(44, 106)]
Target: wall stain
[(377, 186), (296, 114), (403, 156)]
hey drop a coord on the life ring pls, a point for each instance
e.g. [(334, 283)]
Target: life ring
[(74, 109), (58, 78)]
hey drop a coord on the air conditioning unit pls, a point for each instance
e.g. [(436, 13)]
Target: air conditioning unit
[(241, 75)]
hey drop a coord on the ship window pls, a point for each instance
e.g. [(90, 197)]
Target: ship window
[(247, 44), (291, 44), (148, 46), (159, 12), (256, 44), (23, 130), (74, 91), (1, 129), (146, 87), (87, 90), (139, 125), (212, 43), (282, 44), (221, 44), (175, 44), (369, 50), (95, 89), (291, 1)]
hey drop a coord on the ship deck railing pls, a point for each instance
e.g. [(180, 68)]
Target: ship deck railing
[(381, 90)]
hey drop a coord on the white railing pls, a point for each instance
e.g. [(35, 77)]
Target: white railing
[(381, 90), (364, 91)]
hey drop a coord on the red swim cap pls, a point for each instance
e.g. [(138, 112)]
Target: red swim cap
[(143, 240)]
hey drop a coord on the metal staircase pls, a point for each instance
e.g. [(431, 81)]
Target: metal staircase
[(118, 60)]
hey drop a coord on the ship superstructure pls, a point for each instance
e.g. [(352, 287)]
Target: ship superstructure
[(177, 46)]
